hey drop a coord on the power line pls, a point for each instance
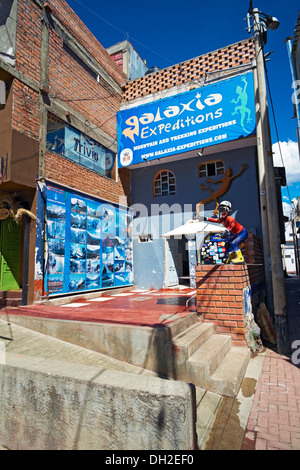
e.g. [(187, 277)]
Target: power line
[(123, 32)]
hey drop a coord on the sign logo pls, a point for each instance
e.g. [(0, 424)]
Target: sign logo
[(126, 157)]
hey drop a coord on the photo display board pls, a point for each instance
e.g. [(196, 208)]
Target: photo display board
[(88, 241)]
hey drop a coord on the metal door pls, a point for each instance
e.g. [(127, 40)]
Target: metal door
[(10, 251)]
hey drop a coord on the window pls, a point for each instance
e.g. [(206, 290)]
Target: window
[(164, 184), (145, 238), (211, 169)]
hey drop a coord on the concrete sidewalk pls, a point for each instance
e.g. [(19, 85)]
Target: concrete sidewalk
[(273, 421)]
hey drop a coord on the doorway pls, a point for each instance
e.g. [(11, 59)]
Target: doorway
[(10, 255), (180, 261)]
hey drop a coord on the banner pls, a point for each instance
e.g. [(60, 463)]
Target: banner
[(89, 243), (210, 115), (76, 146)]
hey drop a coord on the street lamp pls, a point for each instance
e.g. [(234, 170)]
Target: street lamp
[(271, 22), (269, 213)]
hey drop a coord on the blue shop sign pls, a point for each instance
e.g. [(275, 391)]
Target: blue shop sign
[(78, 147), (205, 116)]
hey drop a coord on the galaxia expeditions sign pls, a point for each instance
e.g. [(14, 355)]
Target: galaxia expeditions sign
[(205, 116)]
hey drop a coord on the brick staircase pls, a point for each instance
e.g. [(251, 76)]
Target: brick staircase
[(199, 355), (10, 298)]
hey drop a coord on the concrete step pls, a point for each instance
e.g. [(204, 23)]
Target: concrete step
[(228, 377), (218, 366), (181, 324), (177, 351), (192, 338), (186, 350), (209, 356), (11, 298)]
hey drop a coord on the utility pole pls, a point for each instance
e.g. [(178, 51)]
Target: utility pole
[(263, 200), (277, 274)]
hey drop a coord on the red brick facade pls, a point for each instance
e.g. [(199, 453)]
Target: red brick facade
[(70, 87), (220, 291), (235, 55), (61, 69)]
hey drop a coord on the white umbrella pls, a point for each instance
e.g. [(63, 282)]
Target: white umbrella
[(194, 227)]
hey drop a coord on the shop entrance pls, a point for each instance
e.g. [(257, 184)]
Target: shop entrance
[(180, 261), (10, 255)]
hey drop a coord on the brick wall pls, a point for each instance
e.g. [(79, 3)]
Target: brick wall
[(28, 42), (235, 55), (220, 291), (94, 102), (118, 58), (67, 173), (220, 297), (26, 106)]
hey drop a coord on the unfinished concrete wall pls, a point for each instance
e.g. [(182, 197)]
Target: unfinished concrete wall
[(8, 17), (51, 405)]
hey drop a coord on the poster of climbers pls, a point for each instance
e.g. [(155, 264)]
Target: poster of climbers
[(212, 114), (88, 243)]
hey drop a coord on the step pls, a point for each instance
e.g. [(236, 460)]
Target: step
[(11, 294), (11, 298), (11, 302), (207, 406), (180, 325), (177, 351), (192, 339), (228, 377), (203, 363)]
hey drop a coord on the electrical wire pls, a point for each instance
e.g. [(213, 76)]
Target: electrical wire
[(120, 31)]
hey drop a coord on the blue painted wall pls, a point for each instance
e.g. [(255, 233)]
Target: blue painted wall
[(149, 258)]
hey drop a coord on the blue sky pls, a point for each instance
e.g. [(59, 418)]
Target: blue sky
[(165, 32)]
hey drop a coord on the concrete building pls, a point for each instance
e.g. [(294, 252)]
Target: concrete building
[(128, 60), (187, 163), (186, 136), (289, 249)]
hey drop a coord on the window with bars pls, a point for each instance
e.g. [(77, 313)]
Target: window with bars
[(164, 184), (211, 169)]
